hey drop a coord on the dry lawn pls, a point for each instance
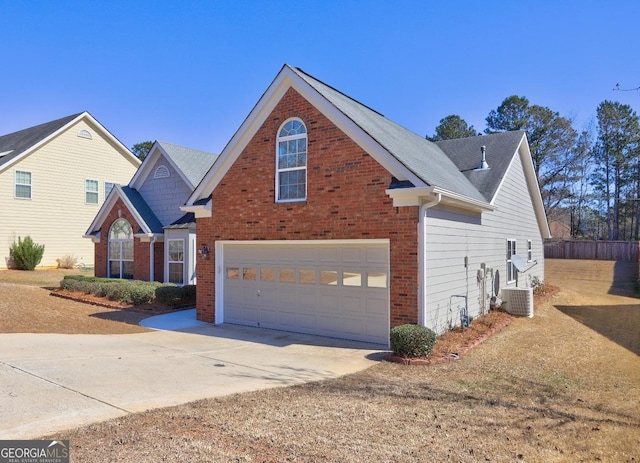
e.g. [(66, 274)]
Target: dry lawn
[(26, 306), (557, 387)]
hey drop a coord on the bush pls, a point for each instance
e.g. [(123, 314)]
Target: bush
[(176, 295), (67, 262), (131, 292), (412, 341), (26, 254)]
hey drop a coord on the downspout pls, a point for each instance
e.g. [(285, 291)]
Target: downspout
[(422, 257), (152, 259)]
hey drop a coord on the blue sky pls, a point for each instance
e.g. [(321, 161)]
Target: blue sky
[(188, 72)]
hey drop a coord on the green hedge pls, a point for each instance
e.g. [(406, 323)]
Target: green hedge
[(131, 291), (412, 341)]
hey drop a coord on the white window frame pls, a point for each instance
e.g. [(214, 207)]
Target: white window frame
[(17, 184), (88, 192), (529, 251), (287, 138), (171, 261), (511, 269), (120, 258), (108, 190)]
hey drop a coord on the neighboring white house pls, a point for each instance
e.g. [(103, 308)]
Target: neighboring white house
[(140, 232), (53, 179)]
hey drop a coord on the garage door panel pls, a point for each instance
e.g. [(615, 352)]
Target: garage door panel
[(376, 307), (377, 256), (328, 302), (319, 289)]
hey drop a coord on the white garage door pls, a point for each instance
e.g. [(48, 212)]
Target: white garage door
[(326, 288)]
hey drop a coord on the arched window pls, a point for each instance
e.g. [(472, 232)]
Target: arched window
[(291, 162), (121, 250)]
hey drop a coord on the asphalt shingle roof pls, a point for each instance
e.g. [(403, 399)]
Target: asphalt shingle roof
[(143, 209), (194, 164), (16, 143), (421, 156), (466, 154)]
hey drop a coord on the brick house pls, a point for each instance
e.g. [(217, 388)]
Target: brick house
[(140, 232), (321, 216)]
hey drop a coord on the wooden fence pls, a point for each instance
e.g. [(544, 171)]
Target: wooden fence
[(621, 251)]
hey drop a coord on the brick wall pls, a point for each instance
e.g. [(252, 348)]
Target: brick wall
[(140, 250), (345, 200)]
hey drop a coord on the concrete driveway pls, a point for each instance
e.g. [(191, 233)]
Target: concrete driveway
[(52, 382)]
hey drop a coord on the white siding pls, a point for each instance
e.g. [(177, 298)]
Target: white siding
[(452, 235), (165, 195), (57, 215)]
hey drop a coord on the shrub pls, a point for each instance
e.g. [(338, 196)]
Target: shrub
[(131, 292), (141, 293), (26, 254), (537, 285), (67, 262), (175, 296), (412, 341)]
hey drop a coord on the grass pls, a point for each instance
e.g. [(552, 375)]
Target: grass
[(546, 389)]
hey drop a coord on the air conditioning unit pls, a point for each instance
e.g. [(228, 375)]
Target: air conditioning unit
[(518, 301)]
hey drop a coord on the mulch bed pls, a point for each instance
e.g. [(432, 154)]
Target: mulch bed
[(456, 342), (150, 309)]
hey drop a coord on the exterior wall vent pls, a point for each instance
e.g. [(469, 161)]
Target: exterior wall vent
[(85, 134), (161, 172)]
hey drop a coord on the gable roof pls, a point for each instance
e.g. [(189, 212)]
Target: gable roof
[(466, 154), (149, 223), (410, 158), (18, 144), (190, 164)]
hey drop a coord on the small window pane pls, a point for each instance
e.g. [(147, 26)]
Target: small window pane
[(176, 273), (233, 273), (377, 279), (114, 269), (176, 250), (127, 270), (23, 191), (351, 279), (127, 250), (267, 274), (249, 273), (328, 277), (114, 250), (308, 277), (287, 275)]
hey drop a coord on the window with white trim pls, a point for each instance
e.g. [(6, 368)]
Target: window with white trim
[(291, 162), (529, 251), (23, 184), (91, 191), (176, 261), (108, 186), (511, 269), (121, 250)]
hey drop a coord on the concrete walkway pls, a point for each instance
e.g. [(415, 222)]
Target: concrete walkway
[(52, 382)]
